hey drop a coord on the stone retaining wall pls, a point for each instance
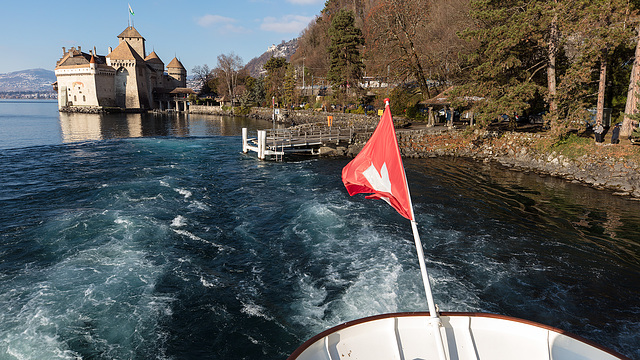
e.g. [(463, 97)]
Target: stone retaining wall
[(517, 150), (513, 150), (315, 117), (208, 110)]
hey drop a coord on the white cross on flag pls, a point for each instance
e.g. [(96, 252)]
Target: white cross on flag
[(378, 168)]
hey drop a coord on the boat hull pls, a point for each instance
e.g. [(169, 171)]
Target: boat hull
[(466, 336)]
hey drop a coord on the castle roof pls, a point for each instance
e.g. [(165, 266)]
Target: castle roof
[(153, 58), (175, 64), (180, 90), (124, 51), (130, 32), (77, 58)]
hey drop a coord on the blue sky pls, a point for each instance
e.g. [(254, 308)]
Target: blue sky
[(34, 31)]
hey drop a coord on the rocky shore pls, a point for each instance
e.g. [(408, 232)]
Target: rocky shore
[(515, 150), (518, 151), (98, 110)]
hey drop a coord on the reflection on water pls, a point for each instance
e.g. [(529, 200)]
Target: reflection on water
[(539, 205), (84, 127)]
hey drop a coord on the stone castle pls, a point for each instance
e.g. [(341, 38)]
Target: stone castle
[(126, 78)]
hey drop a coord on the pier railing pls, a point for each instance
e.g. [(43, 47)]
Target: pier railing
[(299, 139)]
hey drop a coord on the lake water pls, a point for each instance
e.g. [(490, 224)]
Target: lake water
[(154, 237)]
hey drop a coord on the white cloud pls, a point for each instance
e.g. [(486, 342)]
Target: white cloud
[(221, 23), (209, 20), (286, 24)]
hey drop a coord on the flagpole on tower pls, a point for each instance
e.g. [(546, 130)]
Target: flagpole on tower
[(130, 13)]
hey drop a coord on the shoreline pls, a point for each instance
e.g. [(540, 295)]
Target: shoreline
[(517, 151)]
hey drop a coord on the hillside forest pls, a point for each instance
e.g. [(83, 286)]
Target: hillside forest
[(557, 59)]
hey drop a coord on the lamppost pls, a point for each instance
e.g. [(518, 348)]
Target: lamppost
[(273, 115)]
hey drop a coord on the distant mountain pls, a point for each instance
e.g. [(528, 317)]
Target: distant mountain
[(33, 80), (285, 50)]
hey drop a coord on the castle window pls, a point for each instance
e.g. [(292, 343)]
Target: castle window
[(84, 98), (75, 98)]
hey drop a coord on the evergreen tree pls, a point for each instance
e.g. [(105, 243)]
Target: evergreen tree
[(290, 85), (511, 57), (598, 28), (345, 67), (275, 68), (255, 94)]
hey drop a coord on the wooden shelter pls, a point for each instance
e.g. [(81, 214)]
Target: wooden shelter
[(444, 101)]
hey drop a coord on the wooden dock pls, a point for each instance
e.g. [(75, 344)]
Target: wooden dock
[(274, 144)]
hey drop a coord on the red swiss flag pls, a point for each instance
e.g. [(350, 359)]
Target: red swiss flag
[(378, 169)]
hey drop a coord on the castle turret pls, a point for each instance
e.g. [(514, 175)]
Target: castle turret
[(177, 72), (154, 61)]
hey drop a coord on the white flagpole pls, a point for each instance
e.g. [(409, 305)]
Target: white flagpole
[(425, 277), (427, 289)]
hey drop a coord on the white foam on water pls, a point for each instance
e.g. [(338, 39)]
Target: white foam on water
[(100, 295), (186, 193), (197, 238), (198, 205), (255, 310), (209, 284), (310, 307), (179, 221), (372, 269)]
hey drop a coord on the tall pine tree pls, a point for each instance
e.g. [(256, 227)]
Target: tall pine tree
[(345, 67), (275, 67), (509, 66)]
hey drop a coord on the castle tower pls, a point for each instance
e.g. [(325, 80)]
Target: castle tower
[(177, 72), (134, 39), (130, 83)]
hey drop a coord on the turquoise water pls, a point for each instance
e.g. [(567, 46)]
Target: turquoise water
[(147, 237)]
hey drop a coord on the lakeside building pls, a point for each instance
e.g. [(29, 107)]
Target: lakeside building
[(126, 78)]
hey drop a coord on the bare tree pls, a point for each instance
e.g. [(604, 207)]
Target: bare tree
[(203, 74), (394, 28), (417, 45), (229, 65), (312, 48)]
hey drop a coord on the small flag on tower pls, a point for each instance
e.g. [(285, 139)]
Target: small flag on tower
[(130, 10)]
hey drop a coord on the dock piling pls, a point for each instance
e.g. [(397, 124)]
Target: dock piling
[(244, 140)]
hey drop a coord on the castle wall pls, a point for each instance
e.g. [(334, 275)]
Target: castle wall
[(143, 86), (105, 89), (76, 87), (132, 99)]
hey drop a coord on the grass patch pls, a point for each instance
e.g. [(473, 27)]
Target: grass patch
[(574, 146)]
